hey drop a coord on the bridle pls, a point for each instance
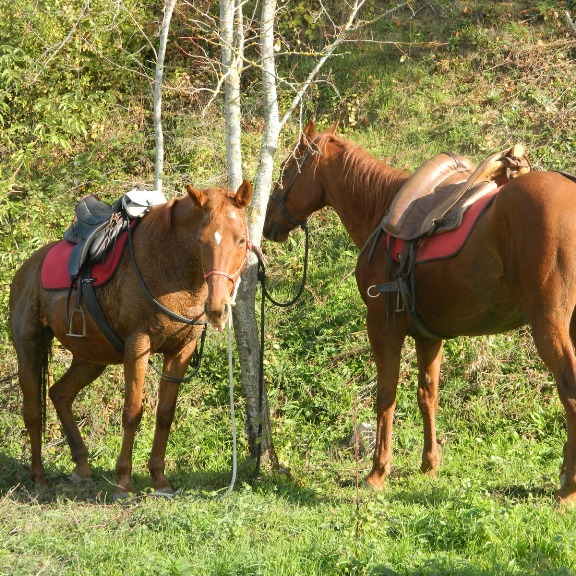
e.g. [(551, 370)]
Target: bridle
[(303, 224), (281, 200)]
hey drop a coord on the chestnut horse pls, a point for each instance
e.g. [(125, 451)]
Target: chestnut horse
[(190, 252), (517, 266)]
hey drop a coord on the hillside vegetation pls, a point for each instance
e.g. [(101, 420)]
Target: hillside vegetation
[(75, 118)]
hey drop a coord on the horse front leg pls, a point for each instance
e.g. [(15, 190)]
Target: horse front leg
[(136, 358), (386, 344), (175, 366), (429, 354)]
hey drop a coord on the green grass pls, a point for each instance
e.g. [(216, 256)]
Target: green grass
[(492, 74)]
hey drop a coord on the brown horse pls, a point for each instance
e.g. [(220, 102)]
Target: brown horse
[(190, 253), (517, 266)]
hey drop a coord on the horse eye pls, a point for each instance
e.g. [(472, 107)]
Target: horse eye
[(242, 241)]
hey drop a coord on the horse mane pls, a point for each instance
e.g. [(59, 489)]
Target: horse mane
[(372, 180), (159, 220)]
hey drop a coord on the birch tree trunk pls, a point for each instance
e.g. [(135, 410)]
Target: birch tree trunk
[(232, 40), (246, 331), (245, 326), (158, 80)]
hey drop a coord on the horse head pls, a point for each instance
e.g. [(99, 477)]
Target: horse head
[(298, 192), (224, 245)]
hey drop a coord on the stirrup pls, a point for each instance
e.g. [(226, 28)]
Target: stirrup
[(78, 310)]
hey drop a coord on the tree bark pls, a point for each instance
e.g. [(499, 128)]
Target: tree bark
[(232, 40)]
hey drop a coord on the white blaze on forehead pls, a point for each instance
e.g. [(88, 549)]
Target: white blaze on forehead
[(231, 214), (217, 237)]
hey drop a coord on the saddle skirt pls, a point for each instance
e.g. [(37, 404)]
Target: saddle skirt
[(55, 274)]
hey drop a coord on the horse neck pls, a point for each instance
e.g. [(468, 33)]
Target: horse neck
[(359, 188), (169, 237)]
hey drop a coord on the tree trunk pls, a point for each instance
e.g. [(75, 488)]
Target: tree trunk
[(246, 330), (232, 39), (158, 80), (245, 326)]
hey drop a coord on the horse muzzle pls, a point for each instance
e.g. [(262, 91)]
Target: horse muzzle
[(217, 316), (275, 232)]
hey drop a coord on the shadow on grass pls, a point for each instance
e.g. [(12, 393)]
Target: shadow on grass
[(521, 492), (15, 482)]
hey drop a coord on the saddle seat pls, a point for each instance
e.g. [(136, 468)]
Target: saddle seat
[(436, 195)]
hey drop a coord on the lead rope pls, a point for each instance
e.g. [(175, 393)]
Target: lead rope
[(232, 413), (303, 226), (265, 295)]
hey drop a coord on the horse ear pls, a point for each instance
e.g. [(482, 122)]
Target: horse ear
[(198, 197), (243, 196), (309, 132), (333, 128)]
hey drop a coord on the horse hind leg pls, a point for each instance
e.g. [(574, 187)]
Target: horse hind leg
[(554, 342), (62, 393)]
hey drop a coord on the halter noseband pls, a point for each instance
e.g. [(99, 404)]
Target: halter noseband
[(226, 274)]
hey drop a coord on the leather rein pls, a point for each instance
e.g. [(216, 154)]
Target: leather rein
[(303, 224)]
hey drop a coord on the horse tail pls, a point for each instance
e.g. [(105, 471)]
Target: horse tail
[(44, 379)]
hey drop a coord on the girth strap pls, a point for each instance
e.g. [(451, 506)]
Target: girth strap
[(403, 285), (97, 314)]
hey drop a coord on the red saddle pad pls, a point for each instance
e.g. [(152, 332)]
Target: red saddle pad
[(55, 274), (447, 244)]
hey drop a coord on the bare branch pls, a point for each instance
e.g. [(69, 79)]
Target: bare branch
[(345, 30)]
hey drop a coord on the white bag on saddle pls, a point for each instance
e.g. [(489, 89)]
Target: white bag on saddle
[(137, 202)]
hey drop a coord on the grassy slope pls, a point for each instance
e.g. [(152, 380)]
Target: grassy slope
[(496, 75)]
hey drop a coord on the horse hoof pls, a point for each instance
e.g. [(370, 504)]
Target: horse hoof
[(376, 480), (369, 486), (76, 479)]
